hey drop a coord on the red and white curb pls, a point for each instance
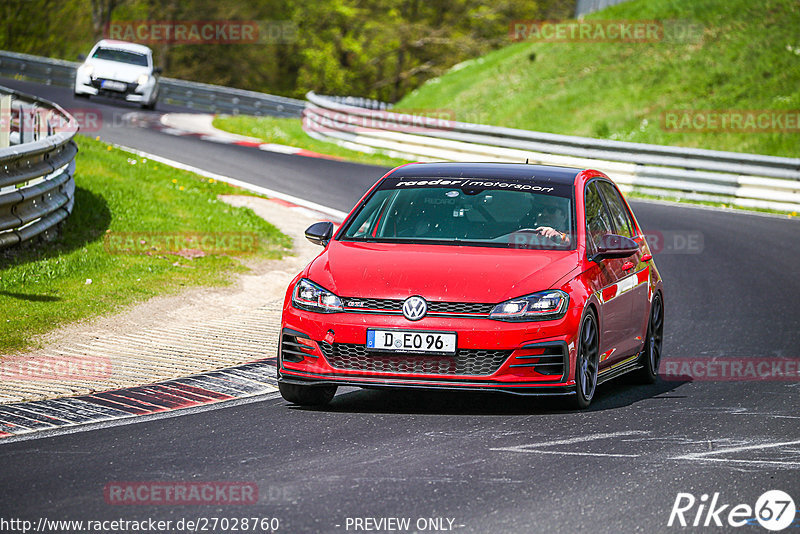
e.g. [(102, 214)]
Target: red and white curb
[(238, 382), (204, 131)]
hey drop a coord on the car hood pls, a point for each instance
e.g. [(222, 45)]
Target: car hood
[(114, 70), (437, 272)]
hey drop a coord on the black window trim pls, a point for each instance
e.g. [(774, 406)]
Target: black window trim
[(627, 211), (605, 205)]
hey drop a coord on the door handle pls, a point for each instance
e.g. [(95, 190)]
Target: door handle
[(627, 266)]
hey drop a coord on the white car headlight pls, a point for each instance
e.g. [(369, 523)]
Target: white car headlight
[(541, 306), (310, 297), (143, 79)]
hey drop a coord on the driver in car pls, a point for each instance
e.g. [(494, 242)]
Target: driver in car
[(552, 221)]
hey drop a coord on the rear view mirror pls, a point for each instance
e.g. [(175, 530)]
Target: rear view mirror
[(158, 70), (320, 233), (81, 57), (615, 246)]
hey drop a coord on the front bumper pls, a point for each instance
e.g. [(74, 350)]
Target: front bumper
[(525, 355), (131, 92)]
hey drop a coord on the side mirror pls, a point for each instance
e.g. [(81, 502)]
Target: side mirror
[(615, 246), (320, 233), (81, 57), (157, 70)]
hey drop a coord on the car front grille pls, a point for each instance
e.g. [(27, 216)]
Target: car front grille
[(354, 357), (395, 307), (97, 83)]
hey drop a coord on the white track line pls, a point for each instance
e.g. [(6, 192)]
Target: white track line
[(536, 447), (703, 455)]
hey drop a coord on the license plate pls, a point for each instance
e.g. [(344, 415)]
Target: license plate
[(411, 341), (114, 86)]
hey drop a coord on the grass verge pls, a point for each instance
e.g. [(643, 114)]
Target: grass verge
[(288, 131), (45, 285), (623, 91)]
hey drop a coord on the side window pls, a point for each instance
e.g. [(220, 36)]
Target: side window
[(617, 208), (598, 222)]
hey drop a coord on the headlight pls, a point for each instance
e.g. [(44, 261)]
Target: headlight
[(541, 306), (143, 79), (309, 296)]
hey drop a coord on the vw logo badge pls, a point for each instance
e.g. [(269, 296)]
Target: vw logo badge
[(415, 308)]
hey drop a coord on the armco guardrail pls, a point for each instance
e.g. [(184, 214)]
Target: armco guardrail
[(198, 96), (36, 171), (747, 180)]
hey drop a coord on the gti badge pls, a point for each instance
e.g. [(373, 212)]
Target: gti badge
[(415, 308)]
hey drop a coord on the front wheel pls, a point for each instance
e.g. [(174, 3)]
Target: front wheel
[(307, 395), (651, 355), (586, 362)]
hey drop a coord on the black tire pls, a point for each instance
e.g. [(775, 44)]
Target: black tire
[(587, 360), (307, 395), (81, 95), (653, 343)]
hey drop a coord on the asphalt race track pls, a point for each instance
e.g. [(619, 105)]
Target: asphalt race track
[(488, 463)]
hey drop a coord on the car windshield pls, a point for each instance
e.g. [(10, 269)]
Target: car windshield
[(121, 56), (472, 211)]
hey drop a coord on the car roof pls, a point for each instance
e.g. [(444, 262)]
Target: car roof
[(123, 45), (562, 175)]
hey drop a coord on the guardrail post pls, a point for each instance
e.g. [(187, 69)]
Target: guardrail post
[(40, 122), (5, 121), (26, 123)]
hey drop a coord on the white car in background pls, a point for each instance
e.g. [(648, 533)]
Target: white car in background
[(119, 69)]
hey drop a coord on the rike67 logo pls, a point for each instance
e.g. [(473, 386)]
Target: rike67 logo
[(774, 510)]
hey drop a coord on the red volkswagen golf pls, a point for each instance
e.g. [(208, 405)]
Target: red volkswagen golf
[(517, 278)]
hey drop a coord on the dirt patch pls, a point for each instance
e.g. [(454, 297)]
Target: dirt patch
[(197, 330)]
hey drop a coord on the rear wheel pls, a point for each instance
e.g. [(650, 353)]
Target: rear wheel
[(651, 355), (307, 395), (586, 362)]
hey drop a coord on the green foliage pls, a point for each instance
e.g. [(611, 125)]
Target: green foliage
[(375, 48), (748, 59), (56, 29)]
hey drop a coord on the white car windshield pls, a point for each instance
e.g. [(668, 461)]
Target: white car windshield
[(120, 56)]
